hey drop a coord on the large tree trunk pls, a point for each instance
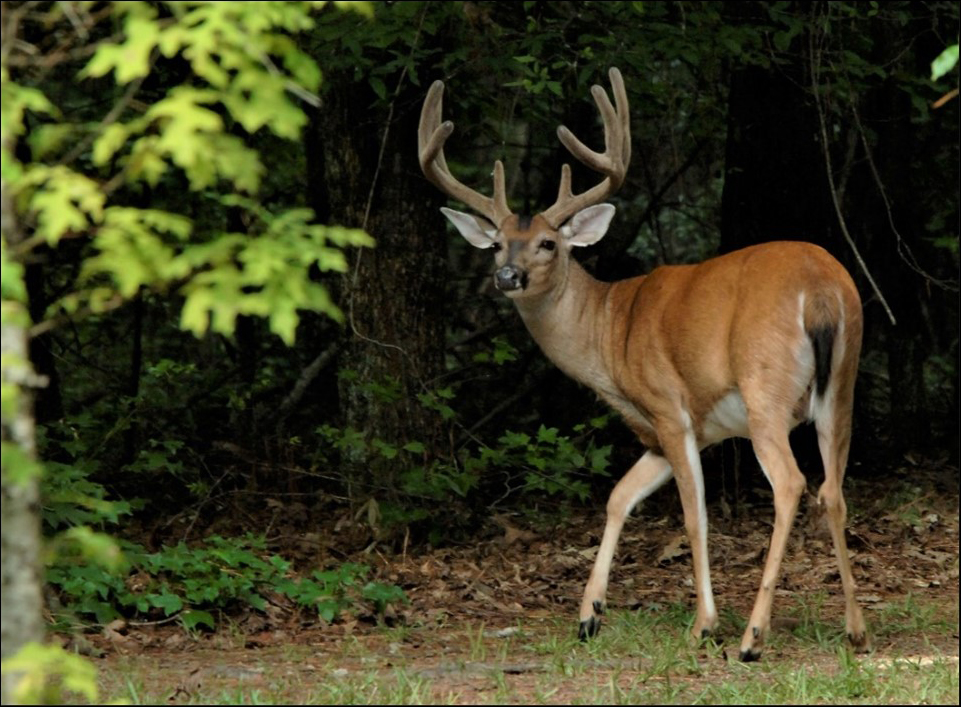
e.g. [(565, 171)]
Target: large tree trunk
[(774, 182), (20, 581), (393, 294)]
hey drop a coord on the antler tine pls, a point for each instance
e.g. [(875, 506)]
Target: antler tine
[(612, 163), (431, 136)]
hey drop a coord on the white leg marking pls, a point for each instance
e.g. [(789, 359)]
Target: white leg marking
[(704, 571)]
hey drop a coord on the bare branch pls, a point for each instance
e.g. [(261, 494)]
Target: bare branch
[(814, 56)]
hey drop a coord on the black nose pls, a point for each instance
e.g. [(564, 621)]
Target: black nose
[(510, 278)]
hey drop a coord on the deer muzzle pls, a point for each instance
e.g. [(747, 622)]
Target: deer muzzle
[(510, 278)]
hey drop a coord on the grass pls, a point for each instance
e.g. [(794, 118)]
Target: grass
[(913, 615), (640, 657)]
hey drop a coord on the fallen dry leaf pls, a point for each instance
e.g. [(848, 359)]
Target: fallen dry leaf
[(674, 550)]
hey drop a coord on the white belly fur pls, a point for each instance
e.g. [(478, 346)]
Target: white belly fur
[(728, 418)]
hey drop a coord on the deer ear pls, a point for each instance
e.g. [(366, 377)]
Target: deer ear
[(477, 231), (588, 225)]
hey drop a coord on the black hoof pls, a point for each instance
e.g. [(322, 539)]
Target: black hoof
[(860, 642), (705, 633), (589, 628), (749, 656)]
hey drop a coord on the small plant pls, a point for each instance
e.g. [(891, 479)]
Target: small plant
[(219, 575), (49, 674), (548, 463)]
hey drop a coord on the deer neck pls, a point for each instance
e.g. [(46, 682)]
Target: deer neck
[(567, 322)]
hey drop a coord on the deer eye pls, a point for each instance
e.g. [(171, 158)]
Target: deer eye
[(548, 245)]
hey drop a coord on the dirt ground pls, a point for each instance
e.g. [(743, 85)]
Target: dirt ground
[(524, 580)]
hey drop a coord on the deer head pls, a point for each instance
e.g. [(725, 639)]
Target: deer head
[(532, 254)]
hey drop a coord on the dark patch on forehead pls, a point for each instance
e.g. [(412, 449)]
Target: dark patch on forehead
[(524, 222)]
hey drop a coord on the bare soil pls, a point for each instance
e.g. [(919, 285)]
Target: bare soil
[(522, 584)]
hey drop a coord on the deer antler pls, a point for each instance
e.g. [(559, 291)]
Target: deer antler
[(431, 136), (612, 163)]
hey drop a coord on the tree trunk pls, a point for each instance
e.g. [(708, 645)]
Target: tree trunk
[(394, 293), (774, 183), (20, 579), (21, 621)]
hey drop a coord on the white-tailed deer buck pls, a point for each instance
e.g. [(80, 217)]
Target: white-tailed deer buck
[(748, 344)]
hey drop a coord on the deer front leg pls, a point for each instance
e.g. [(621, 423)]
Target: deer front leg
[(646, 476)]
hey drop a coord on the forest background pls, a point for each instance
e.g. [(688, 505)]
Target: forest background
[(231, 305)]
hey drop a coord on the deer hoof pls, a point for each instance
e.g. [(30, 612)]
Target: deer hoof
[(860, 642), (749, 655), (589, 628)]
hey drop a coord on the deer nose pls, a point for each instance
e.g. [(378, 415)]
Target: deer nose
[(509, 278)]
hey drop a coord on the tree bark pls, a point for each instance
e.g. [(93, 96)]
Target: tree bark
[(21, 621), (774, 185), (394, 293), (20, 579)]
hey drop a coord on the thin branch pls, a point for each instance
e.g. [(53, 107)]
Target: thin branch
[(78, 26), (11, 27), (49, 324), (953, 93), (904, 250), (468, 435), (108, 119), (307, 377), (825, 145), (655, 202), (302, 93)]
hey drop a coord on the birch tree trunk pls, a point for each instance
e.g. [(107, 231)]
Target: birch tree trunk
[(21, 621)]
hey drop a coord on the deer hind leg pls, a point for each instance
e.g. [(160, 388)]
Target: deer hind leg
[(681, 447), (834, 440), (646, 476), (773, 451)]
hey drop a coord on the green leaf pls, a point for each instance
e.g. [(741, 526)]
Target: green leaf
[(387, 451), (383, 594), (142, 36), (45, 140), (944, 62), (12, 285), (100, 548), (18, 466), (132, 249), (112, 138), (361, 7), (547, 435), (193, 617), (170, 603), (104, 60), (377, 84), (63, 200)]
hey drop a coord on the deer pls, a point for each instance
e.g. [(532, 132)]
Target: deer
[(748, 344)]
